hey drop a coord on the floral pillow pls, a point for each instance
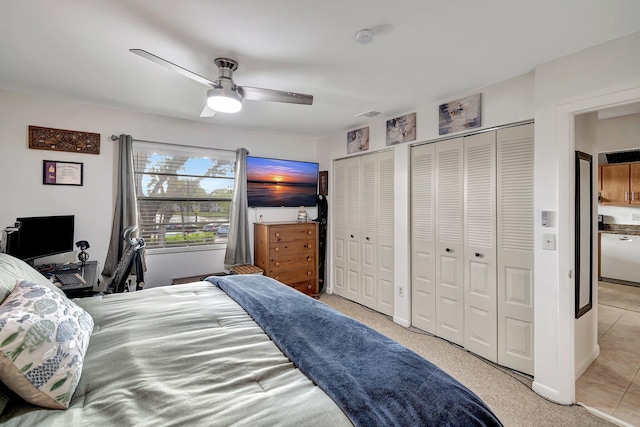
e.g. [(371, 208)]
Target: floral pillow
[(43, 340)]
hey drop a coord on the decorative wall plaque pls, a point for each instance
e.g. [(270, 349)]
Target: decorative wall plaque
[(64, 140)]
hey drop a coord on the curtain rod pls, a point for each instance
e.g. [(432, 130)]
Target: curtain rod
[(115, 138)]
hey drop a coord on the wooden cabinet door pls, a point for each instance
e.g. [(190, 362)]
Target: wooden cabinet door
[(634, 183), (615, 184)]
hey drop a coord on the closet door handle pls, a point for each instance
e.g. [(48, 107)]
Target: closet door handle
[(352, 236), (449, 250), (479, 255), (367, 238)]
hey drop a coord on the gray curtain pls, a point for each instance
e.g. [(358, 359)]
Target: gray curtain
[(238, 247), (126, 211)]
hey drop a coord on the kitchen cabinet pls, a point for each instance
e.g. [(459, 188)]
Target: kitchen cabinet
[(620, 184), (620, 257)]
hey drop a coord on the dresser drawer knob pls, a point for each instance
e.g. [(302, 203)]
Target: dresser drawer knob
[(277, 277), (309, 232), (276, 249), (309, 259), (308, 246), (309, 287), (277, 234), (309, 273), (277, 264)]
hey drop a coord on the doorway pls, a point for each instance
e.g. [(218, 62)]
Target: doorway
[(611, 384)]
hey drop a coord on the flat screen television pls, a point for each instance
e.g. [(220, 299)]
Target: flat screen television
[(41, 236), (278, 182)]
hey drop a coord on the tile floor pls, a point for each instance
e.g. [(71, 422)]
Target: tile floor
[(612, 383)]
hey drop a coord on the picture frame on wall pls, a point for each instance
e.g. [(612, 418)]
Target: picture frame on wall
[(358, 140), (461, 114), (401, 129), (62, 173), (323, 183)]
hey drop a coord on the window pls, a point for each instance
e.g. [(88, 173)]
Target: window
[(183, 194)]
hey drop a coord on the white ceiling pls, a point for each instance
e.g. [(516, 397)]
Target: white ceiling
[(423, 51)]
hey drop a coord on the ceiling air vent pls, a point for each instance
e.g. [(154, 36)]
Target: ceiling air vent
[(624, 157), (370, 113)]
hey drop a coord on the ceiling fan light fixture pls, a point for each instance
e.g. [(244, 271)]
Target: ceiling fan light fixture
[(224, 101)]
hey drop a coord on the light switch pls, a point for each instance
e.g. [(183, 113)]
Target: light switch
[(549, 242)]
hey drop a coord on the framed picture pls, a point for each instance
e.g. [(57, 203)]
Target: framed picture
[(323, 183), (358, 140), (401, 129), (460, 114), (62, 173)]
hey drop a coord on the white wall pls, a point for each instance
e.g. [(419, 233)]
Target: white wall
[(598, 77), (586, 327), (503, 103), (23, 194)]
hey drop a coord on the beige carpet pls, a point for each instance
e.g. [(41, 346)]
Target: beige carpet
[(508, 394)]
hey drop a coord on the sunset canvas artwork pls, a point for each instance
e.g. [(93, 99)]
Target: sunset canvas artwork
[(277, 182)]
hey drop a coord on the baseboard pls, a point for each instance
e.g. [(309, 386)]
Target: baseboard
[(402, 322), (549, 393), (580, 369)]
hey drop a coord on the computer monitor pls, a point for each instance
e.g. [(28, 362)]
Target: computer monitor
[(41, 236)]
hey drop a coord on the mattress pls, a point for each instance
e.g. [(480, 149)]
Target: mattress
[(182, 355)]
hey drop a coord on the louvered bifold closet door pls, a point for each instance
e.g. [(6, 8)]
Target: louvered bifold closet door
[(480, 268), (515, 214), (449, 241), (423, 240), (385, 205), (368, 230), (339, 219), (353, 188)]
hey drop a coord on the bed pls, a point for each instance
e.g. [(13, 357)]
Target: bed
[(234, 350)]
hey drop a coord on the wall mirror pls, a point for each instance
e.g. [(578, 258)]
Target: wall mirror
[(584, 233)]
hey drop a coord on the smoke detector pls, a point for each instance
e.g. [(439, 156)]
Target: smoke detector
[(364, 36)]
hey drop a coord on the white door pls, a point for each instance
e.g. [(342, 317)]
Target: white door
[(423, 241), (353, 187), (339, 218), (515, 225), (368, 230), (449, 241), (385, 207), (480, 286)]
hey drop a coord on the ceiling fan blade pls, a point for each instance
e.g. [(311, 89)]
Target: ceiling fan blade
[(207, 112), (259, 94), (173, 67)]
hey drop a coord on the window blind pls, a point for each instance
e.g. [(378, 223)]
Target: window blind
[(183, 194)]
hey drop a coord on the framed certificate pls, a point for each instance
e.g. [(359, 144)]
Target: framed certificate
[(62, 173)]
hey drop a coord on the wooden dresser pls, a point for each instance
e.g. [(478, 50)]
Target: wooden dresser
[(288, 252)]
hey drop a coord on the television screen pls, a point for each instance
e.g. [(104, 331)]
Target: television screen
[(42, 236), (277, 182)]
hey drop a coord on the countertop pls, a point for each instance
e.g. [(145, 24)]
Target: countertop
[(628, 229)]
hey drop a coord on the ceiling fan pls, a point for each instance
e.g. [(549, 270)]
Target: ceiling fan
[(224, 95)]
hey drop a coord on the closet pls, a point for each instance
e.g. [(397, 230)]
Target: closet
[(472, 243), (363, 229)]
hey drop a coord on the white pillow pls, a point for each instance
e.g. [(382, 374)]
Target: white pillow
[(43, 340)]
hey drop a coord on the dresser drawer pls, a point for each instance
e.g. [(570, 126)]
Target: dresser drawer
[(287, 233), (283, 262), (307, 287), (286, 249), (295, 275)]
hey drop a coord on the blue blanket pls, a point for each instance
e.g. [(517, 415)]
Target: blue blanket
[(373, 379)]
